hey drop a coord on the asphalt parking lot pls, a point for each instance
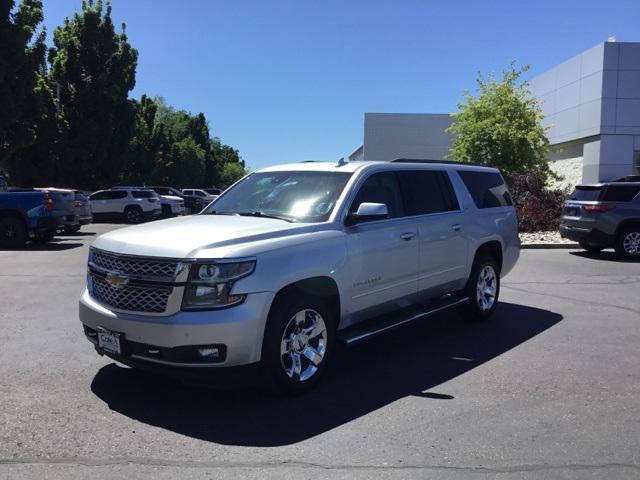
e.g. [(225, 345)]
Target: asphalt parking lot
[(549, 388)]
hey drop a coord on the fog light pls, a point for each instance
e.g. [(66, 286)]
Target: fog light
[(209, 352)]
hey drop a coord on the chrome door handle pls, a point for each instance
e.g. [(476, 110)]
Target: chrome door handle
[(407, 235), (456, 226)]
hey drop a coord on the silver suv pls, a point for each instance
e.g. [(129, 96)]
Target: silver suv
[(604, 215), (293, 259)]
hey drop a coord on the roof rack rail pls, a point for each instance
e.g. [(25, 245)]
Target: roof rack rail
[(424, 160)]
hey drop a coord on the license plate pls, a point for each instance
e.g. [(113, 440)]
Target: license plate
[(108, 340)]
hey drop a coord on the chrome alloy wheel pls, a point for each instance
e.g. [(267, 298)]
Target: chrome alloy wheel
[(631, 243), (303, 345), (486, 288)]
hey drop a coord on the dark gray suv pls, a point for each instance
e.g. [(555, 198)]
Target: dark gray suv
[(604, 215)]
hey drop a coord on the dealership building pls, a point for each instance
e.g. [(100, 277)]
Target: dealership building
[(591, 105)]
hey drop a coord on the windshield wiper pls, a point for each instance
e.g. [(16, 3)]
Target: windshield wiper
[(266, 215), (214, 212)]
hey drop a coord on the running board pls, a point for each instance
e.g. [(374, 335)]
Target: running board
[(378, 325)]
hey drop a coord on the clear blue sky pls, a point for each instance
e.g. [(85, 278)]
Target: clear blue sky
[(288, 80)]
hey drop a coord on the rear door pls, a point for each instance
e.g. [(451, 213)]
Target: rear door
[(382, 254), (429, 197)]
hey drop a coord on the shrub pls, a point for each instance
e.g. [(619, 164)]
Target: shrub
[(539, 208)]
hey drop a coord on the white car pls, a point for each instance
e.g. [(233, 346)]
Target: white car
[(294, 259), (134, 204), (172, 206), (198, 192)]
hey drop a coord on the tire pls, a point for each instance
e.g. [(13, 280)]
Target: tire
[(133, 215), (44, 236), (480, 307), (591, 248), (628, 243), (13, 232), (300, 331), (71, 228)]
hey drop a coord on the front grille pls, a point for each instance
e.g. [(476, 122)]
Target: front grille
[(140, 266), (134, 298)]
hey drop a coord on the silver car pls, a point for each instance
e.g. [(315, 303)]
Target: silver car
[(293, 259)]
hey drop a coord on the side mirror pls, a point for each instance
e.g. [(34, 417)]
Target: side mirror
[(367, 212)]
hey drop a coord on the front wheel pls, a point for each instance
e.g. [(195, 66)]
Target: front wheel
[(299, 341), (71, 228), (483, 289)]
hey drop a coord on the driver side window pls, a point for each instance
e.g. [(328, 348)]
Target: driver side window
[(381, 188)]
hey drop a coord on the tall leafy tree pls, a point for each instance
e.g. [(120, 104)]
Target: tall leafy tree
[(22, 60), (95, 67), (501, 126)]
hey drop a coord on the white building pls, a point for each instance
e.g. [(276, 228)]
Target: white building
[(591, 105)]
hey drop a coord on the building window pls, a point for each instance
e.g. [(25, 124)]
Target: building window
[(636, 162)]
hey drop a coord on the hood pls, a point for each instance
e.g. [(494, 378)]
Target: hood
[(184, 237)]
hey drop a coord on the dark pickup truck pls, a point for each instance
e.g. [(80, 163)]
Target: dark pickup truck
[(34, 214)]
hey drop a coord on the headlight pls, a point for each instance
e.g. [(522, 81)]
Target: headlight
[(210, 283)]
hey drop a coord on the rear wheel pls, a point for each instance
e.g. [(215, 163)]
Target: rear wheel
[(299, 341), (628, 243), (133, 214), (483, 289), (43, 236), (13, 232), (590, 248)]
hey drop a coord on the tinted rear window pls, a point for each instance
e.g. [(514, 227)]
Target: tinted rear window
[(587, 194), (487, 189), (427, 192), (620, 193), (143, 194)]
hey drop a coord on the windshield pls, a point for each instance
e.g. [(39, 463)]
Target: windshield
[(297, 196)]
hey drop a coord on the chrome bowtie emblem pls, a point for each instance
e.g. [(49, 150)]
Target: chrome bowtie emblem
[(116, 281)]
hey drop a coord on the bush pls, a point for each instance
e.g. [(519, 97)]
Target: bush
[(539, 208)]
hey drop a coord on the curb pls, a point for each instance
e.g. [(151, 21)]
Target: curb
[(549, 246)]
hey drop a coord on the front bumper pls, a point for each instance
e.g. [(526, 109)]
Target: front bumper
[(239, 328)]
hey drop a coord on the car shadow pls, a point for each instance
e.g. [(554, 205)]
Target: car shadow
[(604, 255), (364, 378), (55, 245)]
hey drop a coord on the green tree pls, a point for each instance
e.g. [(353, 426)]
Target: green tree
[(146, 145), (231, 173), (95, 67), (22, 60), (181, 164), (501, 127)]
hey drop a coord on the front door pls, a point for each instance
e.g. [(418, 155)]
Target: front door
[(382, 254)]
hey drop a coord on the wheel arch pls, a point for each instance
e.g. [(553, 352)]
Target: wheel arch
[(322, 287), (626, 223), (493, 248), (14, 213)]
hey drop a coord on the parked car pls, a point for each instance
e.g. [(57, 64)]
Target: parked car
[(604, 215), (172, 206), (34, 214), (83, 212), (192, 203), (134, 204), (213, 191), (198, 192), (295, 258)]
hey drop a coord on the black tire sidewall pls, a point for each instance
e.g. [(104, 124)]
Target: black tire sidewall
[(590, 248), (136, 211), (279, 317), (471, 310), (20, 233)]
